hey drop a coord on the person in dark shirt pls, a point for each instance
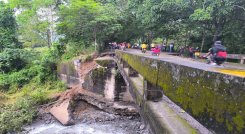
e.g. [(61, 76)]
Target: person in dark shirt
[(217, 54)]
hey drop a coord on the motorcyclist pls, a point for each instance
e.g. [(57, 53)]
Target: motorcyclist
[(217, 54), (143, 47), (156, 50), (153, 45)]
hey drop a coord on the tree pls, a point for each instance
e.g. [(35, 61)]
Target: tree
[(7, 28), (37, 21), (88, 22)]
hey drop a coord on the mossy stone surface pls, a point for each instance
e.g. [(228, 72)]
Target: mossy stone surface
[(217, 100)]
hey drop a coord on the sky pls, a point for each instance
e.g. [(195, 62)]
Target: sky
[(4, 0)]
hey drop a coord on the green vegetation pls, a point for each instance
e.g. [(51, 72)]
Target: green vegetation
[(35, 35), (14, 116), (20, 107)]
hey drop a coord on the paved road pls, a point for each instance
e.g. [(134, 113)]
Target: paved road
[(227, 68)]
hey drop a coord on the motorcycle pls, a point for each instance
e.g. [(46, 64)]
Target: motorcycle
[(215, 62), (155, 52)]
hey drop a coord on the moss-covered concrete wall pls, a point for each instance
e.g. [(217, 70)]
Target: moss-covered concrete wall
[(216, 100)]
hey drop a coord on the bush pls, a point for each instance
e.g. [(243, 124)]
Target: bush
[(73, 49), (14, 116), (10, 60), (4, 82), (19, 78), (43, 69), (59, 49), (39, 96)]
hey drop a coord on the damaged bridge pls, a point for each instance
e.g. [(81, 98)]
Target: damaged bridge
[(177, 95)]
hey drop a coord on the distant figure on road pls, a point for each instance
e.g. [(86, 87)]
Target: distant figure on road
[(171, 47), (143, 47), (181, 51), (197, 53), (191, 52), (128, 45), (163, 48)]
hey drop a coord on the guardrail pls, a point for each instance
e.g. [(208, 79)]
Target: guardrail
[(240, 57)]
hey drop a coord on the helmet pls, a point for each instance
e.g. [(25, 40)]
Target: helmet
[(217, 43)]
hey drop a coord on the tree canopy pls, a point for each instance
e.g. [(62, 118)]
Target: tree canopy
[(95, 22)]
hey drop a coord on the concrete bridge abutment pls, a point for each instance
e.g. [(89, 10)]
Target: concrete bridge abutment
[(132, 72), (152, 92), (215, 99)]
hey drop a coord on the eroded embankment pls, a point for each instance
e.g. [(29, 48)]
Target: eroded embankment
[(87, 108)]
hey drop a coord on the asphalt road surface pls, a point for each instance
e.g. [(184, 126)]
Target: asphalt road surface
[(226, 68)]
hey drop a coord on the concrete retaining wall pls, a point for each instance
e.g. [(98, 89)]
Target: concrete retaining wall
[(165, 121), (216, 100)]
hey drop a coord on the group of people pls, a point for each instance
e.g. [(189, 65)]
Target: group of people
[(122, 45), (163, 47), (217, 53), (155, 49), (192, 52)]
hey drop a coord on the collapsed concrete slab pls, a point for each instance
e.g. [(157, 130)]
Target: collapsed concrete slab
[(62, 112), (108, 106)]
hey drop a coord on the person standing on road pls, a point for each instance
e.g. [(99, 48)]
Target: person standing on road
[(163, 48), (171, 47), (191, 52)]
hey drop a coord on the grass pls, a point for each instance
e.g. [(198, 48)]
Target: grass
[(18, 106), (34, 90)]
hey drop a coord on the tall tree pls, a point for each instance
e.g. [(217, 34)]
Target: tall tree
[(88, 22), (36, 20), (8, 28)]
